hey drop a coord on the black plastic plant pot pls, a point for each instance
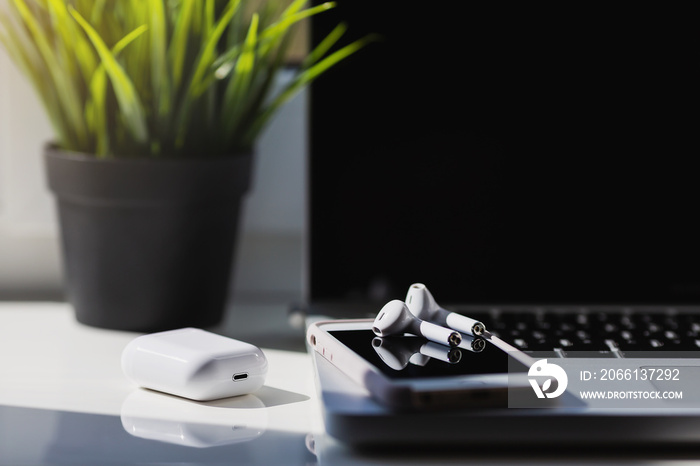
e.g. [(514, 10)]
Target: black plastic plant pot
[(148, 244)]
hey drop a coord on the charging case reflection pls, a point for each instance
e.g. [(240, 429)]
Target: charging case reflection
[(165, 418)]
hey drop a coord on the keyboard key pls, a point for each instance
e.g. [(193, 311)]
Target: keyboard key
[(610, 328), (670, 335), (520, 343)]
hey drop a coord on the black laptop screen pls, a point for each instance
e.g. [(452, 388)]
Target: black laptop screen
[(508, 154)]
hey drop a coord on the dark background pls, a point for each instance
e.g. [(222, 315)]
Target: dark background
[(508, 154)]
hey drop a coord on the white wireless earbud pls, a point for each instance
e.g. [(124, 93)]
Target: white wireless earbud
[(395, 318), (422, 305)]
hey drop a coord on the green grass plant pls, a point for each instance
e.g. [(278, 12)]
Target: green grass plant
[(162, 78)]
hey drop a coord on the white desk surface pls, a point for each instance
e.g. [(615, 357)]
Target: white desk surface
[(51, 362), (64, 400)]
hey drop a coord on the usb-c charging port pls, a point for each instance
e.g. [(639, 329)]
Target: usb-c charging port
[(240, 376)]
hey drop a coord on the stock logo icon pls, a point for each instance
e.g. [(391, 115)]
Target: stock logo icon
[(547, 373)]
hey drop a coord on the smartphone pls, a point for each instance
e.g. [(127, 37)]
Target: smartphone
[(410, 372)]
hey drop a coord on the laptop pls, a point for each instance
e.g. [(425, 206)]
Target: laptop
[(533, 166)]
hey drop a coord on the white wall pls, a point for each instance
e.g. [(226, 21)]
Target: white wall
[(269, 252), (28, 252)]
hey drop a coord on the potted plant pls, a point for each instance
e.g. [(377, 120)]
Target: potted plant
[(156, 106)]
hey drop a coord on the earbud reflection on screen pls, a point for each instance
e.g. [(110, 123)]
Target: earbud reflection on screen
[(422, 305), (397, 353), (395, 318), (473, 344)]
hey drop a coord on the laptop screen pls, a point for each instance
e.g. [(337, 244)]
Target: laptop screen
[(528, 153)]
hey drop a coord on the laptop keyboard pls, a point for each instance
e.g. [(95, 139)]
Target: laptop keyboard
[(589, 332)]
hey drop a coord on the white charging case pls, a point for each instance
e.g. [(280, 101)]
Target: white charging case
[(195, 364)]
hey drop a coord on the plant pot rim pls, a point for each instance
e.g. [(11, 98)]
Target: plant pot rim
[(52, 149), (78, 177)]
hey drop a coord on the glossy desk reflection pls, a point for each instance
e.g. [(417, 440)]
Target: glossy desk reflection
[(63, 398)]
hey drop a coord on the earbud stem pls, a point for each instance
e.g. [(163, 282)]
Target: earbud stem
[(438, 334), (464, 324), (441, 353)]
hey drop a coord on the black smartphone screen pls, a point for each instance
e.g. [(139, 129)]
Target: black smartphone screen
[(409, 357)]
